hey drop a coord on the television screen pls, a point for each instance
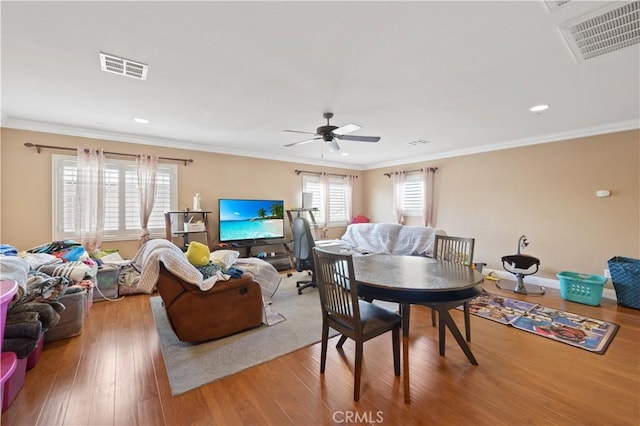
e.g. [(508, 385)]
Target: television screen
[(250, 219)]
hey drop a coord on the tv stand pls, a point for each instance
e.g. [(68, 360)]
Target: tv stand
[(246, 249)]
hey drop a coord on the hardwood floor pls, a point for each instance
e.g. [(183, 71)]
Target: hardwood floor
[(114, 374)]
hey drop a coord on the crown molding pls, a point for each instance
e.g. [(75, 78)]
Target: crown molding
[(554, 137), (38, 126)]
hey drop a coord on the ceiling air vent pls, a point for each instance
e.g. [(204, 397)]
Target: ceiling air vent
[(126, 67), (418, 142), (604, 32), (553, 5)]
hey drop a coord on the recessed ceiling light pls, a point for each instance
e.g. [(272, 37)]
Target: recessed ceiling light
[(141, 120), (345, 154), (539, 108)]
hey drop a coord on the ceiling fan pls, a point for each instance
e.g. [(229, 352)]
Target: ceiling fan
[(330, 134)]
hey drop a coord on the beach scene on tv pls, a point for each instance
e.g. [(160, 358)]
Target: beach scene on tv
[(251, 219)]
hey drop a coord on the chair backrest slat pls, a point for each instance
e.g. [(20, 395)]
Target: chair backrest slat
[(454, 249), (338, 292)]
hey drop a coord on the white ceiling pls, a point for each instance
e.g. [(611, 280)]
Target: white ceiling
[(230, 76)]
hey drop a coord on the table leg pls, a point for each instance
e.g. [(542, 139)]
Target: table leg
[(445, 316), (405, 310)]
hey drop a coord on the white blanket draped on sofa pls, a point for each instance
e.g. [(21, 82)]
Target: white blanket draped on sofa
[(391, 238)]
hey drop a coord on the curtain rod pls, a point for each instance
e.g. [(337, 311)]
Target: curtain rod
[(433, 169), (39, 148), (319, 173)]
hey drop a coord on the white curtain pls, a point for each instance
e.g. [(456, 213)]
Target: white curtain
[(324, 199), (90, 198), (147, 167), (398, 179), (350, 181), (427, 199)]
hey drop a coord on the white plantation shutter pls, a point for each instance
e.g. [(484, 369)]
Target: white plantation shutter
[(122, 218), (311, 183), (111, 202), (413, 195), (337, 199)]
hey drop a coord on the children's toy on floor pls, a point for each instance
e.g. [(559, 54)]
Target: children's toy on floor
[(521, 265), (490, 276)]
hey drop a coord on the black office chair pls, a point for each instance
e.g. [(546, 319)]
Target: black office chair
[(303, 245)]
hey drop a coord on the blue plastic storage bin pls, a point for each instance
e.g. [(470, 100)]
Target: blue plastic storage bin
[(581, 288)]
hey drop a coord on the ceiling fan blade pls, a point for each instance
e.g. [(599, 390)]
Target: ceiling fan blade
[(359, 138), (347, 128), (333, 145), (303, 142), (299, 131)]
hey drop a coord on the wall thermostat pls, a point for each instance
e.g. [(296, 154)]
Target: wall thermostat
[(603, 193)]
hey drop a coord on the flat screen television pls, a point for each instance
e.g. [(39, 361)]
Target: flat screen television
[(243, 220)]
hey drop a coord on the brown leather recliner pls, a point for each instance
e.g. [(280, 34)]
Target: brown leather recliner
[(197, 316)]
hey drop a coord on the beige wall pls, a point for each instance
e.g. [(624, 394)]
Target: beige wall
[(26, 183), (547, 192)]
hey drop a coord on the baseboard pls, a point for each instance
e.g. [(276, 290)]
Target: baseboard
[(607, 293)]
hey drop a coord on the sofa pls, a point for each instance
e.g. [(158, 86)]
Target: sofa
[(208, 302), (390, 238), (196, 316)]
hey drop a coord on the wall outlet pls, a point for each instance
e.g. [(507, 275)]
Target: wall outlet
[(607, 274)]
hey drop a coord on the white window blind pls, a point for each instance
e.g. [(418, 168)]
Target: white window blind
[(337, 201), (122, 212), (413, 195), (336, 197)]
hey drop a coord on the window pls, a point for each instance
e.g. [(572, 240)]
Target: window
[(332, 207), (122, 213), (413, 195)]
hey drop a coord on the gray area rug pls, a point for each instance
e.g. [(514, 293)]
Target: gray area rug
[(190, 366)]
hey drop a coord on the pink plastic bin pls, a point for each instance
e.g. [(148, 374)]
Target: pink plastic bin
[(7, 289), (13, 385)]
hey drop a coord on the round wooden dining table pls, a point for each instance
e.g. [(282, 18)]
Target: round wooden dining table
[(408, 280)]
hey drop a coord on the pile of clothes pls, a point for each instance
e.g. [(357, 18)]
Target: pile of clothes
[(43, 275)]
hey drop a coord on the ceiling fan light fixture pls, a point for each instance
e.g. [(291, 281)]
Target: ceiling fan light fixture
[(333, 146)]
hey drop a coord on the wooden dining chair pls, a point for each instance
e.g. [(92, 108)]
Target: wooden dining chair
[(345, 312), (457, 250)]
